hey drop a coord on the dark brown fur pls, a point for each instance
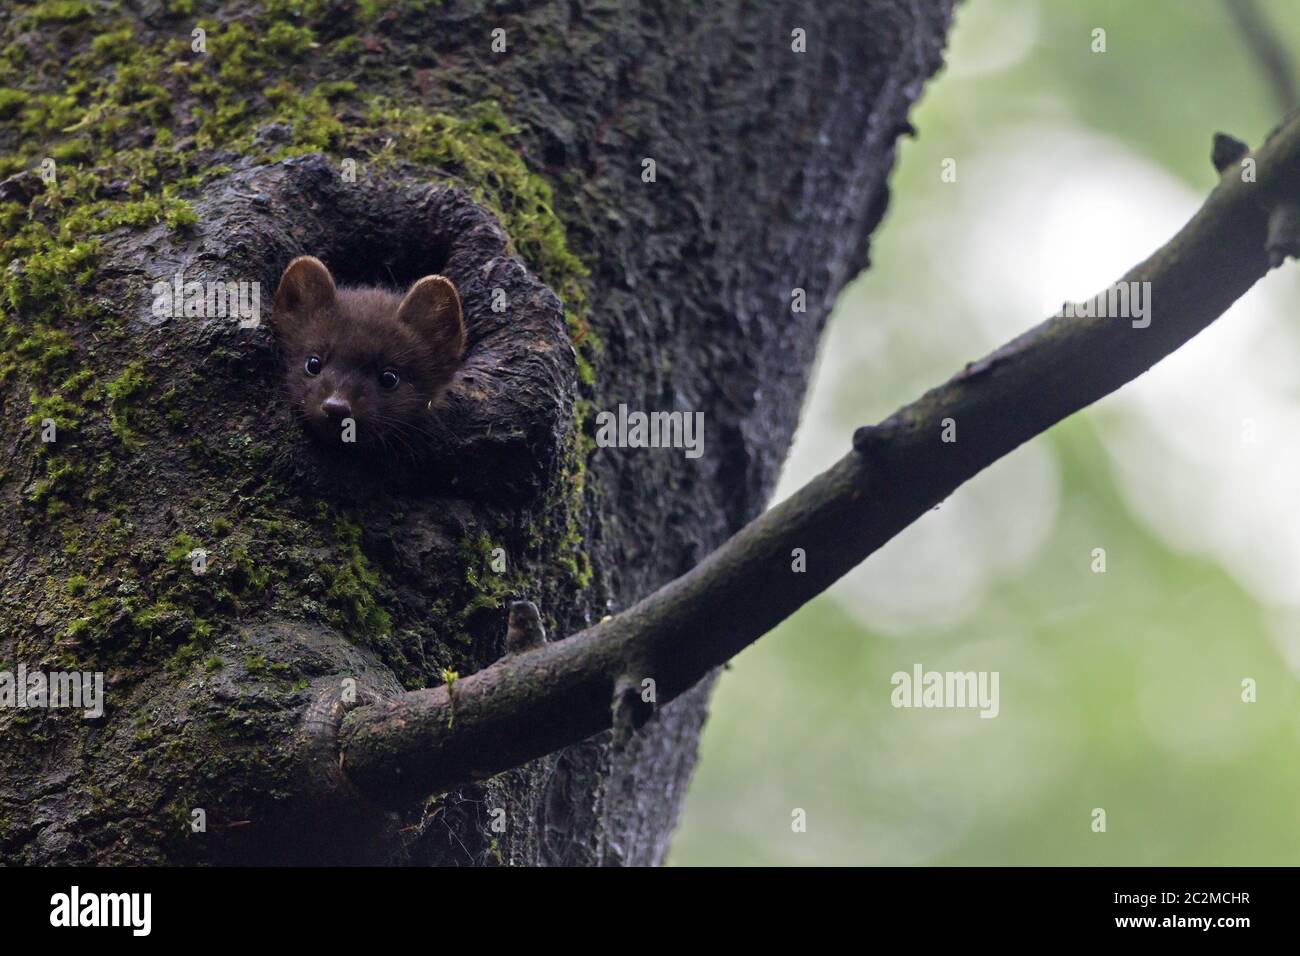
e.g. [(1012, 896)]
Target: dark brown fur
[(358, 335)]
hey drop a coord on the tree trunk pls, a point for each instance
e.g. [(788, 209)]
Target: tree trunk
[(239, 590)]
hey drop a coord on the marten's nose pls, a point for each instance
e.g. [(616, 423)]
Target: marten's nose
[(336, 407)]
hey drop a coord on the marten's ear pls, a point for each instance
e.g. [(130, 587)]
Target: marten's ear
[(305, 287), (432, 308)]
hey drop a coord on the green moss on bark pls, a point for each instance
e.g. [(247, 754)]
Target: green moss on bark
[(106, 121)]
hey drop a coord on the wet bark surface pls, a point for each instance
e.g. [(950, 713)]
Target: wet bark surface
[(338, 581)]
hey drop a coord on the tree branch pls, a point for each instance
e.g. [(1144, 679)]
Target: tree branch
[(1262, 40), (537, 700)]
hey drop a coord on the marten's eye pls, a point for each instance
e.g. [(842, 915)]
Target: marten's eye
[(313, 365), (388, 379)]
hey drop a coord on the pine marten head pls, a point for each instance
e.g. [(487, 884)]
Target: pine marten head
[(364, 366)]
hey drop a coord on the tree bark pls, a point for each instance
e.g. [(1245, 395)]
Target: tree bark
[(225, 688)]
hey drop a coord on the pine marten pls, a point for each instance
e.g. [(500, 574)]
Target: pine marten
[(364, 366)]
